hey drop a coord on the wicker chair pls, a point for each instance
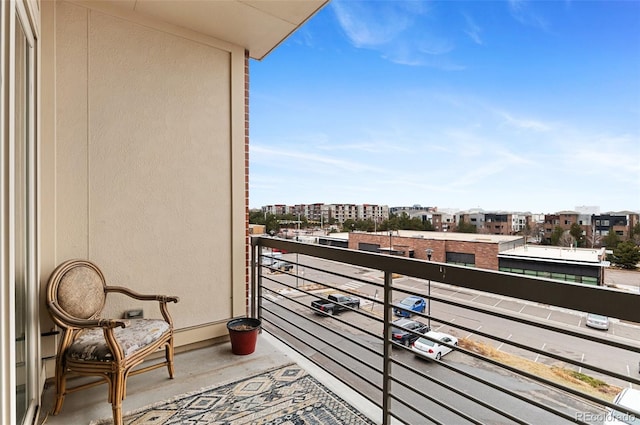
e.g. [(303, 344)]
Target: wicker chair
[(94, 346)]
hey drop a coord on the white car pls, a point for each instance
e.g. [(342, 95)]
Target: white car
[(432, 349), (629, 398), (597, 321)]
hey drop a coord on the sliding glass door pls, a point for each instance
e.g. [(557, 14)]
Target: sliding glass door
[(24, 221)]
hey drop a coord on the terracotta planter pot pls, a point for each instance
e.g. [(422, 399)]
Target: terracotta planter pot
[(243, 333)]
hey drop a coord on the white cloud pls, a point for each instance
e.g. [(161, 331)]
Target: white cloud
[(367, 26), (291, 158), (521, 11), (524, 123), (473, 30), (394, 29)]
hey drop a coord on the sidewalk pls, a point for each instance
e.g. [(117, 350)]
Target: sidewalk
[(622, 279)]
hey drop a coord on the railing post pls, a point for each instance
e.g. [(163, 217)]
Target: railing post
[(386, 366), (255, 306)]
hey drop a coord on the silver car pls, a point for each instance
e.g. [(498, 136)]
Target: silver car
[(597, 321)]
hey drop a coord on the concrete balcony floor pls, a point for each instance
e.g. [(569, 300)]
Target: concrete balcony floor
[(196, 369)]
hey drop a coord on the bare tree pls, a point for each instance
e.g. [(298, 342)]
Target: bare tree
[(567, 239)]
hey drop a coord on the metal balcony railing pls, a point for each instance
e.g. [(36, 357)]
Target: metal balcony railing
[(523, 354)]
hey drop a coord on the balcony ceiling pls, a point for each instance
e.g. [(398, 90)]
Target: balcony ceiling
[(257, 25)]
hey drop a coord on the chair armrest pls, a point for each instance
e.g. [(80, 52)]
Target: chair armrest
[(162, 299), (86, 323), (142, 297)]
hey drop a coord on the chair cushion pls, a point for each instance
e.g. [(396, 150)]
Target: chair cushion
[(90, 344)]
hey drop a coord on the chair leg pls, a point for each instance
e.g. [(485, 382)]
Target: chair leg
[(116, 394), (61, 386), (168, 350)]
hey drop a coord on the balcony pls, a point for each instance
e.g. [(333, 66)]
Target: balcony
[(523, 356)]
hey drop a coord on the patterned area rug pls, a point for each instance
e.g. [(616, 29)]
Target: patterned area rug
[(284, 396)]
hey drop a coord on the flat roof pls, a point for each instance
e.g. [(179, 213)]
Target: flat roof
[(452, 236), (555, 253)]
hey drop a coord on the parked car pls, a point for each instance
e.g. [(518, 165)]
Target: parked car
[(597, 321), (280, 265), (432, 349), (401, 327), (409, 305), (269, 258), (335, 303), (629, 398)]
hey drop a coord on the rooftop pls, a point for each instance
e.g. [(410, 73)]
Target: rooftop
[(555, 253)]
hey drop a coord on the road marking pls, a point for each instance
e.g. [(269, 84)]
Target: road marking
[(548, 315), (478, 328), (522, 308), (273, 297), (502, 343), (496, 304), (538, 355), (474, 298), (581, 361), (352, 285)]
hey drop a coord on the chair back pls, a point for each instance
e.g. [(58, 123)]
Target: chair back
[(77, 287)]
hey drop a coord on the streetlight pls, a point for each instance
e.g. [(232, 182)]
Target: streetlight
[(272, 232), (297, 262), (429, 252)]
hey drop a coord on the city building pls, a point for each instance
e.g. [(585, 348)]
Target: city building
[(580, 265), (594, 226), (492, 252), (323, 214), (538, 228), (621, 223)]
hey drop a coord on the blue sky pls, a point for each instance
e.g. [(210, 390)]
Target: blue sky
[(500, 105)]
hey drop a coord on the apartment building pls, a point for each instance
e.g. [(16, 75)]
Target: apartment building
[(312, 212), (373, 212), (496, 223), (476, 218), (278, 209), (594, 226), (621, 223), (444, 221), (324, 213)]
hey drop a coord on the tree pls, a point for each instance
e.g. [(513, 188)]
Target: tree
[(257, 217), (271, 224), (556, 235), (464, 227), (526, 231), (627, 255), (593, 240), (612, 240), (427, 225), (635, 233), (567, 239), (348, 225), (578, 234)]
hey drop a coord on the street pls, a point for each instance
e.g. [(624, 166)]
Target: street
[(462, 322)]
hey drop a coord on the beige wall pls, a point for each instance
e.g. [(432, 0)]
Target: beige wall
[(149, 177)]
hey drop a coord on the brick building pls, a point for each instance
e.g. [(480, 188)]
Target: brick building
[(455, 248), (491, 252)]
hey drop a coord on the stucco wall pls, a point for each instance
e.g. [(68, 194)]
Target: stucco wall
[(149, 162)]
